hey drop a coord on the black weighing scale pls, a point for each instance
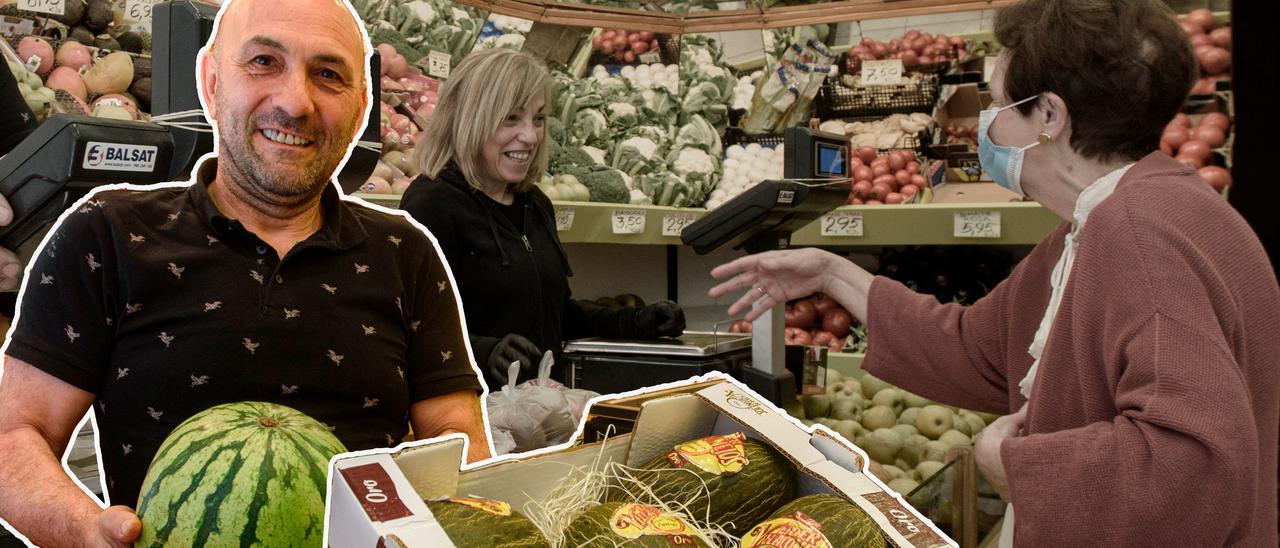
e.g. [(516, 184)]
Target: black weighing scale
[(816, 171)]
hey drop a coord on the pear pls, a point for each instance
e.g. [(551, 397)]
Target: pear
[(827, 422), (894, 472), (986, 417), (883, 445), (933, 420), (807, 422), (847, 429), (845, 388), (905, 430), (913, 449), (860, 440), (872, 385), (909, 415), (953, 438), (795, 409), (891, 397), (960, 425), (935, 451), (816, 405), (903, 486), (928, 468), (913, 400), (906, 468), (880, 416), (976, 424), (834, 376), (879, 472), (846, 409)]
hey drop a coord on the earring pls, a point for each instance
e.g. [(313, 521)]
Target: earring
[(1044, 138)]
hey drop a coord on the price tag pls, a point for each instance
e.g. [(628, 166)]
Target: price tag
[(649, 57), (887, 72), (842, 223), (52, 7), (564, 218), (628, 221), (10, 26), (138, 11), (673, 223), (438, 64), (977, 224)]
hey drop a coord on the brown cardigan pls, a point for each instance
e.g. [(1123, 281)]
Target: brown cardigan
[(1156, 410)]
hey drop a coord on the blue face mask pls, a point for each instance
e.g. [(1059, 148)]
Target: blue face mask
[(1002, 163)]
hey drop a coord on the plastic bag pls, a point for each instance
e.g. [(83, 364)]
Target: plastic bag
[(537, 413)]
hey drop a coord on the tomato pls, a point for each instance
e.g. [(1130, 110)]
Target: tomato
[(878, 192), (1211, 135), (797, 336), (867, 154), (801, 314), (861, 173), (1217, 177), (823, 303), (913, 167), (903, 177), (919, 180), (908, 191), (1195, 148), (886, 180), (1176, 136), (880, 170), (861, 189), (896, 161), (1190, 161), (822, 338), (1215, 119), (874, 202), (894, 198)]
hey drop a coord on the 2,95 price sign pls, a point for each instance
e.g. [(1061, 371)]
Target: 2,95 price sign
[(138, 11), (52, 7), (977, 224), (628, 221), (887, 72), (673, 223), (842, 224), (564, 218)]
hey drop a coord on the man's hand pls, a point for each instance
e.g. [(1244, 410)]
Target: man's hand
[(10, 266), (660, 319), (513, 348), (986, 449), (117, 526)]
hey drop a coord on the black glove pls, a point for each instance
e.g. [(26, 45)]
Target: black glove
[(660, 319), (512, 348)]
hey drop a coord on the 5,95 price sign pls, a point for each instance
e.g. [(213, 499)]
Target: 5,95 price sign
[(628, 221), (138, 11), (977, 224), (673, 223), (842, 224), (564, 218), (52, 7)]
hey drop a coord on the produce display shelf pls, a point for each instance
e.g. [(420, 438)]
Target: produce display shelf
[(846, 363), (1021, 223)]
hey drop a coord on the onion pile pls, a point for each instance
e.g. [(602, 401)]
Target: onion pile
[(893, 178), (1212, 47), (961, 135), (624, 46), (917, 49)]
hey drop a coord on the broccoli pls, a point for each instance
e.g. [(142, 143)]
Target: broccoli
[(555, 131), (605, 183), (562, 157)]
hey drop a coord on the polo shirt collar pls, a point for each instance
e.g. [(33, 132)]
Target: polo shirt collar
[(340, 228)]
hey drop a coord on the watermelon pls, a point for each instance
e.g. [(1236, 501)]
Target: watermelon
[(814, 521), (632, 525), (485, 522), (747, 480), (246, 473)]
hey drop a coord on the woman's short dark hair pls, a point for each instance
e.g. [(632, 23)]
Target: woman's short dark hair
[(1123, 67)]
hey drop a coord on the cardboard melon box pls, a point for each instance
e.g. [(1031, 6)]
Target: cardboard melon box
[(376, 497)]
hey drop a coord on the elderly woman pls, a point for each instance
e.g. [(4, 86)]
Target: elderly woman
[(480, 154), (1137, 348)]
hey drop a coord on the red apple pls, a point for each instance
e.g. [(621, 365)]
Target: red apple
[(837, 321), (797, 336), (801, 314)]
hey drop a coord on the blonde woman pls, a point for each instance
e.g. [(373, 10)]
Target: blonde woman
[(479, 155)]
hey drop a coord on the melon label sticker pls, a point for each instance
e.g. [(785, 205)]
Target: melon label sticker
[(632, 521), (906, 523), (495, 507), (376, 492), (52, 7), (119, 157), (797, 530), (713, 454)]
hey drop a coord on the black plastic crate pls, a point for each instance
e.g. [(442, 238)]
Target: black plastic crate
[(736, 136), (835, 100)]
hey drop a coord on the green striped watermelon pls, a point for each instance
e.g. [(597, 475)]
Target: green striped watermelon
[(239, 474), (816, 521), (472, 521), (747, 480), (617, 524)]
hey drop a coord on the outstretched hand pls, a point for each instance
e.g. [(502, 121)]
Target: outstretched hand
[(773, 277)]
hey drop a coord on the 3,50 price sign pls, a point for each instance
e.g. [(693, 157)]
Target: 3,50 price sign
[(52, 7), (138, 11), (977, 224), (628, 221)]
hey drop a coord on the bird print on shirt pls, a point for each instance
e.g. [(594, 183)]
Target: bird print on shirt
[(368, 329), (132, 308), (94, 265), (137, 239), (400, 371), (46, 279), (390, 441), (335, 357), (166, 338), (445, 355), (127, 448), (394, 240), (440, 286), (212, 240), (122, 372), (331, 289), (257, 276), (291, 313), (286, 390), (108, 320), (177, 270), (154, 414), (370, 402), (361, 268), (398, 306), (249, 345), (199, 381), (414, 325), (173, 216), (209, 307), (71, 333)]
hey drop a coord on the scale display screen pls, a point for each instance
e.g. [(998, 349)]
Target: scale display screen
[(830, 160)]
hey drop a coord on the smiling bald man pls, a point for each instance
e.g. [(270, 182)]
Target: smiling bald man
[(256, 282)]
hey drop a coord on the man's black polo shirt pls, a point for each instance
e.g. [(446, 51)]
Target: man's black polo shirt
[(162, 307)]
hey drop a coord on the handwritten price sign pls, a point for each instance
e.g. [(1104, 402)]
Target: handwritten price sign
[(564, 218), (842, 224), (887, 72), (628, 221), (673, 223), (52, 7), (438, 64), (138, 11), (977, 224)]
